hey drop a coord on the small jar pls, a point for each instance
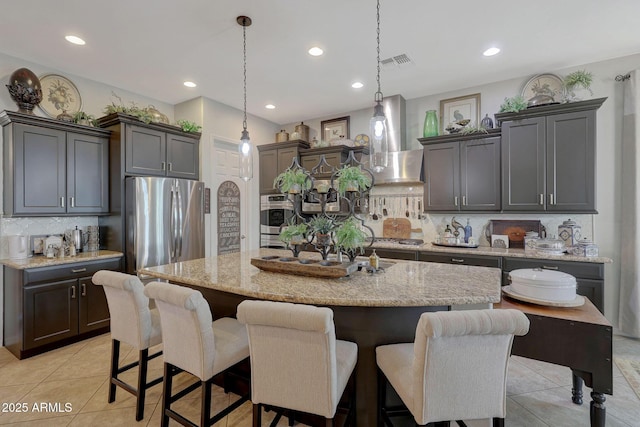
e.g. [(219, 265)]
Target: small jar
[(587, 248), (530, 240)]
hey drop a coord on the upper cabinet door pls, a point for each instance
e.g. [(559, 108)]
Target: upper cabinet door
[(87, 174), (39, 170), (442, 177), (182, 157), (571, 161), (480, 174), (145, 151), (523, 165)]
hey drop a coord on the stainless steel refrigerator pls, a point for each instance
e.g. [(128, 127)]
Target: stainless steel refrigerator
[(164, 221)]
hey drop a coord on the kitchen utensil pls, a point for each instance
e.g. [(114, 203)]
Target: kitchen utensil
[(407, 214), (78, 239), (374, 216), (384, 207), (420, 209), (396, 228), (18, 247)]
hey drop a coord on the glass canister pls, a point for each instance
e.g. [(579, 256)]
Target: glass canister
[(530, 240), (570, 232), (430, 124), (586, 247)]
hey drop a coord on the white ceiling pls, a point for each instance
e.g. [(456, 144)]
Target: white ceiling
[(151, 46)]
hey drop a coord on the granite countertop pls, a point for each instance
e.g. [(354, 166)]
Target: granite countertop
[(403, 284), (487, 250), (42, 261)]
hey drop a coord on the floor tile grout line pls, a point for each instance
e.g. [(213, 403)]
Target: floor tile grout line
[(531, 413)]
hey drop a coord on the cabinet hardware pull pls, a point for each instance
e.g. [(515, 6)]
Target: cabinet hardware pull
[(79, 270), (455, 201), (170, 166), (541, 199), (551, 201), (73, 292), (549, 267), (163, 165), (83, 287), (62, 202), (458, 260), (464, 200), (72, 202)]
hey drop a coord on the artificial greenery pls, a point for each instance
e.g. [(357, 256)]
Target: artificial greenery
[(350, 237), (467, 130), (513, 105), (577, 79), (350, 175), (292, 230), (188, 126), (140, 113), (81, 116), (321, 224), (291, 178)]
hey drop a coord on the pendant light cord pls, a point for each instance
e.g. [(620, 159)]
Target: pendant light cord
[(378, 94), (244, 59)]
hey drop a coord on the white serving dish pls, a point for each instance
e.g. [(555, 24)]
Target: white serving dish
[(543, 284)]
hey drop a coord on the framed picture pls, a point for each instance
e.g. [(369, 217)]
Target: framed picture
[(37, 244), (500, 241), (335, 128), (458, 112), (59, 95)]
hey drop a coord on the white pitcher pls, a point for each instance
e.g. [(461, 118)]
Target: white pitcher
[(18, 247)]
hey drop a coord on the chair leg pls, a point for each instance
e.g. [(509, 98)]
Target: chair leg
[(382, 398), (498, 422), (115, 356), (142, 383), (257, 415), (205, 409), (166, 393)]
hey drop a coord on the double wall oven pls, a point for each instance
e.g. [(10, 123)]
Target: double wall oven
[(275, 210)]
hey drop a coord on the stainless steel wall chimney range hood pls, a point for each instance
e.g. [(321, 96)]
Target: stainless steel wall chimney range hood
[(405, 166)]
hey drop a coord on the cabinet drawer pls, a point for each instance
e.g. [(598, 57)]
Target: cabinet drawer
[(464, 259), (392, 254), (80, 269), (585, 270)]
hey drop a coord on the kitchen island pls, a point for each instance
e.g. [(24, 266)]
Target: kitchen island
[(369, 309)]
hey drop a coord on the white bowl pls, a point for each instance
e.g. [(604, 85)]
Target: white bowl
[(543, 284)]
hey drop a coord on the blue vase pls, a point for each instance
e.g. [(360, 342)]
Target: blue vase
[(467, 232), (430, 124)]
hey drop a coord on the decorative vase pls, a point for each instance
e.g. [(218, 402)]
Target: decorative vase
[(25, 90), (487, 123), (430, 124), (323, 239)]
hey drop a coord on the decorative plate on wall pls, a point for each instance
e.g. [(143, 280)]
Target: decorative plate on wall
[(59, 95), (543, 84)]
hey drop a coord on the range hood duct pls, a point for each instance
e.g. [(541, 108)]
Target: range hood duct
[(404, 166)]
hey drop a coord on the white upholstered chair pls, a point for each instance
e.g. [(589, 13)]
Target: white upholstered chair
[(296, 361), (133, 323), (455, 370), (195, 344)]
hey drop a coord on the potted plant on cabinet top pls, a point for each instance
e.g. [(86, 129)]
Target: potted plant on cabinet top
[(322, 226), (83, 118), (352, 178), (292, 181), (576, 80), (350, 238)]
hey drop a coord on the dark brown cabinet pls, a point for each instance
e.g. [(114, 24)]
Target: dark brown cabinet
[(53, 167), (153, 149), (549, 158), (47, 307), (275, 158), (462, 173), (462, 259)]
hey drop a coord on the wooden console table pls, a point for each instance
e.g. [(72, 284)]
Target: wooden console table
[(579, 338)]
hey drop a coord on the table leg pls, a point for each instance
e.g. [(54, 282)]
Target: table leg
[(576, 391), (598, 411)]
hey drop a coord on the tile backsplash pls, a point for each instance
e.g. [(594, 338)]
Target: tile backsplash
[(40, 225)]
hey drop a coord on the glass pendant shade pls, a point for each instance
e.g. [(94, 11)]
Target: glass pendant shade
[(378, 146), (245, 154)]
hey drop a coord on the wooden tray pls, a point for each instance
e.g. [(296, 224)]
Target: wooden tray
[(305, 267), (514, 228)]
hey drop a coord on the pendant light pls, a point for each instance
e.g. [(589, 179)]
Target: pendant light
[(378, 148), (245, 151)]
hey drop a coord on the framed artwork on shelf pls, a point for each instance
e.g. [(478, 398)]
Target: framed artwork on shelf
[(59, 95), (455, 113), (335, 128)]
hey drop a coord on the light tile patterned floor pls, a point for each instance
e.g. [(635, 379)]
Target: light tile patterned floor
[(539, 394)]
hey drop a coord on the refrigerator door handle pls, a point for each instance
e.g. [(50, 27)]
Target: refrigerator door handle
[(172, 220), (180, 222)]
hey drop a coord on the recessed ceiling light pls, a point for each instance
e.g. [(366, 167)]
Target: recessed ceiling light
[(75, 40), (270, 106), (491, 51), (189, 84), (315, 51), (357, 85)]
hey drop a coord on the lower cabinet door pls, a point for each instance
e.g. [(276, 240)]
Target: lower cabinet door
[(93, 308), (50, 312)]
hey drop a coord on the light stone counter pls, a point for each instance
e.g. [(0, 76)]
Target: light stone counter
[(403, 284), (42, 261), (486, 250)]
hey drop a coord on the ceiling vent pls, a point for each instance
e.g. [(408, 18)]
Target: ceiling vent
[(401, 60)]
